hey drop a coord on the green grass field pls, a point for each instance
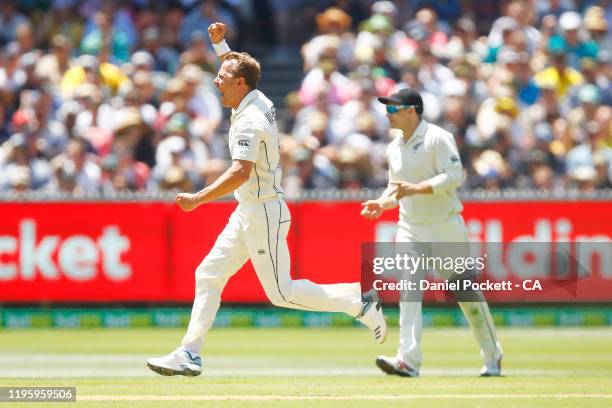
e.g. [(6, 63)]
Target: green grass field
[(569, 367)]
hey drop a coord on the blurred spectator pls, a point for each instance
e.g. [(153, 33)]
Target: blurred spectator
[(52, 134), (188, 153), (603, 170), (597, 27), (575, 47), (208, 12), (334, 24), (326, 73), (518, 15), (76, 167), (293, 20), (321, 113), (457, 121), (134, 134), (118, 20), (464, 42), (24, 37), (553, 8), (436, 39), (311, 171), (500, 113), (365, 104), (493, 171), (559, 73), (110, 43), (165, 58), (514, 72), (53, 66), (202, 100), (175, 179), (583, 178), (432, 74), (23, 166), (368, 147), (589, 98), (133, 98), (583, 155), (409, 79), (293, 106), (199, 53), (122, 172), (94, 112), (12, 77), (108, 76), (147, 93), (10, 19), (61, 20)]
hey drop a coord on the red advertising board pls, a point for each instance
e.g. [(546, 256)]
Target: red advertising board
[(100, 252), (85, 252)]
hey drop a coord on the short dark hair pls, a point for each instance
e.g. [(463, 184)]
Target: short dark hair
[(246, 67)]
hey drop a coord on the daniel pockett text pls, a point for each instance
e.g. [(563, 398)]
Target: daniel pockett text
[(504, 271)]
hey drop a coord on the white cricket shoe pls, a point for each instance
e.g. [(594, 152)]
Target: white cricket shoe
[(179, 362), (492, 368), (395, 366), (372, 316)]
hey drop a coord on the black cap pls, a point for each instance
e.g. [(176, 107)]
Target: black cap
[(406, 96)]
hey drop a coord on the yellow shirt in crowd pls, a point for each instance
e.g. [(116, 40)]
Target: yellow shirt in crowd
[(110, 76)]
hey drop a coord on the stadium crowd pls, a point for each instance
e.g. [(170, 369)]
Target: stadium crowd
[(112, 95)]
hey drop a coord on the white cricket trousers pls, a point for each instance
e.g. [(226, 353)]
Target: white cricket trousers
[(452, 230), (257, 230)]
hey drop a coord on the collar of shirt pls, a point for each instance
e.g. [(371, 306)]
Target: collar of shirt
[(244, 102), (418, 133)]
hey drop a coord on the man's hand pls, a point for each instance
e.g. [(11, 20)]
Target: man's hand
[(403, 189), (216, 32), (372, 209), (187, 201)]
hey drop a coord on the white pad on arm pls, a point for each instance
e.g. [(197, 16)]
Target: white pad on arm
[(221, 48)]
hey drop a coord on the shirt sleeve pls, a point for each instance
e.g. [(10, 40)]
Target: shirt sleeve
[(447, 164), (246, 142)]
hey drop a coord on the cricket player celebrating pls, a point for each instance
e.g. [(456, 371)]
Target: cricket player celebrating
[(257, 229), (424, 174)]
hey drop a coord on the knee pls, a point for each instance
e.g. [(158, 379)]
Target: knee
[(206, 279), (280, 295)]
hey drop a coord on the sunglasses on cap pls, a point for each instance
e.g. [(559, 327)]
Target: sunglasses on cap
[(396, 108)]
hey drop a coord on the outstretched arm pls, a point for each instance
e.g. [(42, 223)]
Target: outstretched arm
[(216, 32), (229, 181)]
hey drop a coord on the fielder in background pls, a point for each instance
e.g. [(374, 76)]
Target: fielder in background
[(424, 173), (257, 229)]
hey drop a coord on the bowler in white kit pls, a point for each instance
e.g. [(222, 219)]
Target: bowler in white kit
[(424, 173), (257, 229)]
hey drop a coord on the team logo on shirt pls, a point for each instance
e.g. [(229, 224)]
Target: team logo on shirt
[(243, 142), (454, 158)]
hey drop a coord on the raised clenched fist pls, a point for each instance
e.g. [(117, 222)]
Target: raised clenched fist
[(216, 32)]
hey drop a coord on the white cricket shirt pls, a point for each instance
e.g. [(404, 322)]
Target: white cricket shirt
[(253, 136), (430, 154)]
